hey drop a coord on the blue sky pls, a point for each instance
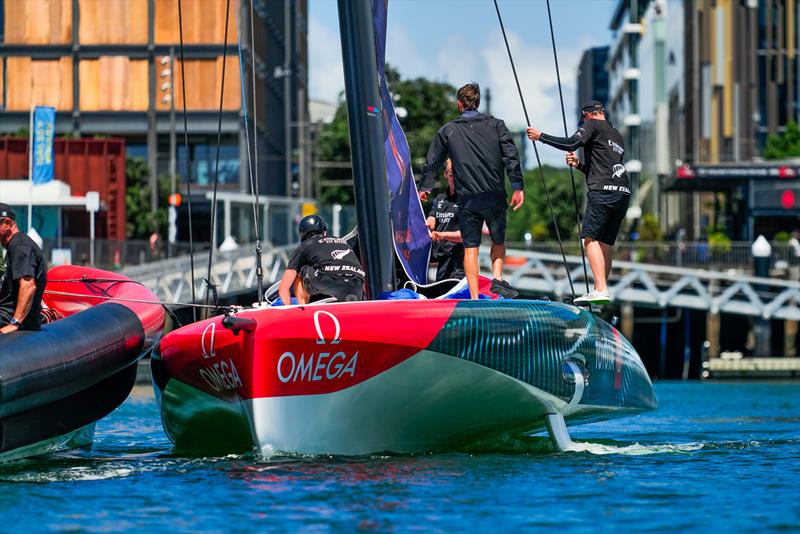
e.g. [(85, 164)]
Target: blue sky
[(458, 41)]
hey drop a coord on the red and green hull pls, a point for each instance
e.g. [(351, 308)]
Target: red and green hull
[(396, 376)]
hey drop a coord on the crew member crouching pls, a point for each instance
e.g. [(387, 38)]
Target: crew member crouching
[(448, 247), (321, 267)]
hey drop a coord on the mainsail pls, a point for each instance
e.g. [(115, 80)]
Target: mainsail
[(411, 238)]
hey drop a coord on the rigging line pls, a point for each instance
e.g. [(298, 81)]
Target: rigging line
[(219, 142), (187, 158), (259, 269), (535, 150), (139, 301), (566, 134)]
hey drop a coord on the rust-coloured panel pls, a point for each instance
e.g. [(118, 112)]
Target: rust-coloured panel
[(200, 93), (84, 164), (203, 22), (38, 21), (41, 82), (113, 83), (113, 22)]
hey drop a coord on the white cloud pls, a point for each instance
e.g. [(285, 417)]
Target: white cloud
[(403, 54), (457, 62), (461, 59), (326, 77), (537, 78)]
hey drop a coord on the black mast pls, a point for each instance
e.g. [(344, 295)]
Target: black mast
[(366, 144)]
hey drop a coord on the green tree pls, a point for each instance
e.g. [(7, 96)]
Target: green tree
[(534, 215), (782, 146), (428, 105), (650, 229), (141, 220)]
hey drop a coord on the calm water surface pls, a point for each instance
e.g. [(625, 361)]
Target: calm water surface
[(714, 457)]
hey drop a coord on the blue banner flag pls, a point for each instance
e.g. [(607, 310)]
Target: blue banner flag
[(411, 237), (44, 129)]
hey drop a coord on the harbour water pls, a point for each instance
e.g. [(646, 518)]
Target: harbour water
[(714, 457)]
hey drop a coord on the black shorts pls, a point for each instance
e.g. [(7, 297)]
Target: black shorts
[(470, 222), (451, 265), (321, 285), (604, 215)]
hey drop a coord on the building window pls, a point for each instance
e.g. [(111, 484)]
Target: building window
[(203, 152), (136, 150)]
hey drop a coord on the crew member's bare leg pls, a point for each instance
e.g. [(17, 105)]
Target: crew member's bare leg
[(471, 270), (597, 262), (498, 257), (607, 252), (300, 291)]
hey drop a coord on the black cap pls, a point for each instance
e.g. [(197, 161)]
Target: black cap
[(7, 211), (310, 225), (592, 105)]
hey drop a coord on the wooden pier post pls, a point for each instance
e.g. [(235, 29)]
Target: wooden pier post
[(712, 334), (789, 336), (627, 320)]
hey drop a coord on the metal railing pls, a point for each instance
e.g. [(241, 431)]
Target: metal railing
[(699, 254), (232, 272), (113, 254), (538, 273), (659, 286)]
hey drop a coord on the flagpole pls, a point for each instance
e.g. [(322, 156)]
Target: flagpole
[(30, 172)]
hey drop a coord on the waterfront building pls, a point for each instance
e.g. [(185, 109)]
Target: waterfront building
[(113, 69), (740, 84), (701, 84), (592, 77), (624, 76)]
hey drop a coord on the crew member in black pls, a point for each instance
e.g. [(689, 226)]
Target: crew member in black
[(327, 267), (480, 148), (22, 284), (608, 190), (448, 250)]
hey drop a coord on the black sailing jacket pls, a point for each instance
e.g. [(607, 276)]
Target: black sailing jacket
[(481, 148), (603, 149)]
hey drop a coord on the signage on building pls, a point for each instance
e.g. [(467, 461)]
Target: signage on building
[(721, 172), (43, 134), (776, 195)]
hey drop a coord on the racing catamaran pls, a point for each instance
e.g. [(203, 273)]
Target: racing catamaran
[(398, 376)]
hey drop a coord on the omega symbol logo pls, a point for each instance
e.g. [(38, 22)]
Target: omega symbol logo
[(336, 339), (209, 352)]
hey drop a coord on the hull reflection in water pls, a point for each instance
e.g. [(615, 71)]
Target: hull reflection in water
[(391, 376)]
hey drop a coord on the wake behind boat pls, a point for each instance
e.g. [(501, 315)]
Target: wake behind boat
[(55, 384)]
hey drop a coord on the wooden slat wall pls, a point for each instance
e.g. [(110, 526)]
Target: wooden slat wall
[(201, 95), (203, 22), (113, 83), (38, 21), (113, 22), (52, 87)]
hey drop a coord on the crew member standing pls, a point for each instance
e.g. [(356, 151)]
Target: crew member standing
[(22, 285), (321, 267), (481, 148), (608, 190), (448, 249)]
